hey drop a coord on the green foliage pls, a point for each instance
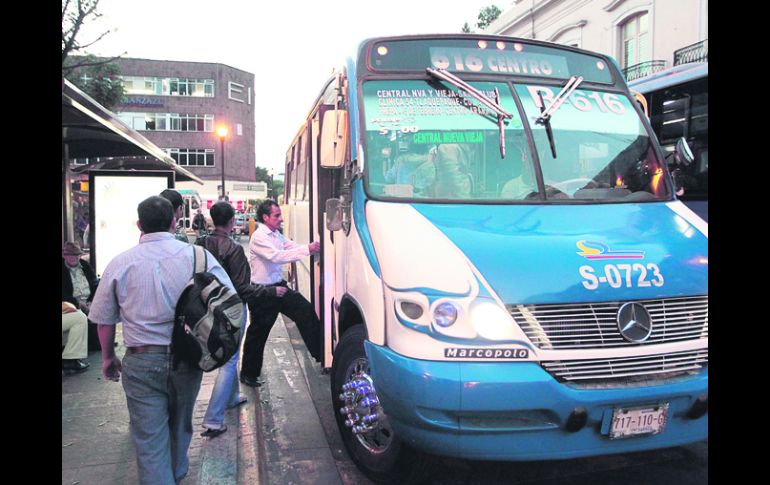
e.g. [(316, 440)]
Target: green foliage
[(466, 28), (98, 79), (278, 188), (487, 15), (263, 175)]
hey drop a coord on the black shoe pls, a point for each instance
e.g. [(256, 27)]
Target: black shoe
[(75, 365), (251, 381), (213, 433)]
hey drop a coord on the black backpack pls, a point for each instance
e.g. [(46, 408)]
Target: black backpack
[(207, 319)]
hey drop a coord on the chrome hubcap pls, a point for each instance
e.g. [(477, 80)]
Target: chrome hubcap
[(364, 415)]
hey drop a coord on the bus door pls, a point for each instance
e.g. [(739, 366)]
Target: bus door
[(332, 265)]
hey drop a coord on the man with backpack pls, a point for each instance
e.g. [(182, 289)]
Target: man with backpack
[(140, 288), (232, 257)]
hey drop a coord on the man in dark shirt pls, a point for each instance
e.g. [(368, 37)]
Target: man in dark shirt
[(233, 259), (199, 223)]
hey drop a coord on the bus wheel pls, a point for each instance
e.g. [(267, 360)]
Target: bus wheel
[(370, 441)]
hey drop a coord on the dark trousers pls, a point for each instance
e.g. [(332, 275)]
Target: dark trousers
[(264, 311)]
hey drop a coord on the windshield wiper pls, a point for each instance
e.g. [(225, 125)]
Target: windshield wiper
[(546, 113), (494, 105)]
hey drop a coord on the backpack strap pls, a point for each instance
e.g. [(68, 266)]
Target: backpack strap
[(199, 259)]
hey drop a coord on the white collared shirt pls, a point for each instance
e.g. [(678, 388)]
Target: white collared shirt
[(269, 251)]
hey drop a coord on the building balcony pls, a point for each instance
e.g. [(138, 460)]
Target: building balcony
[(643, 69), (698, 52)]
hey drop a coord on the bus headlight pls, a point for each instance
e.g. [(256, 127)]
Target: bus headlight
[(491, 321), (445, 314)]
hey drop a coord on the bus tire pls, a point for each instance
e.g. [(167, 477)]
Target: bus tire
[(380, 454)]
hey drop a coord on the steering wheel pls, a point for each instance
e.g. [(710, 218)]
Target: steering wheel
[(577, 183)]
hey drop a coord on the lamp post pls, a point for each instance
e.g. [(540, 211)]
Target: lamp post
[(222, 132), (272, 184)]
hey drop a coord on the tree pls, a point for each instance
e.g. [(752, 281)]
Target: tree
[(75, 14), (487, 15), (99, 80), (97, 77), (263, 175), (466, 28), (278, 188)]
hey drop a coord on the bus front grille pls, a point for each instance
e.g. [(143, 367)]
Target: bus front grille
[(628, 370), (594, 325)]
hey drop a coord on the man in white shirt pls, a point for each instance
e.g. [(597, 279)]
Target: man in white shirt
[(269, 250)]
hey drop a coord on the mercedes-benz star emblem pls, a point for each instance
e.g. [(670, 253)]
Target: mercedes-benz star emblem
[(634, 322)]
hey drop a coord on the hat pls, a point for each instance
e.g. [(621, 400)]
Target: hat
[(71, 249)]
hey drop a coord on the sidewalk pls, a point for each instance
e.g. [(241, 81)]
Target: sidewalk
[(96, 442)]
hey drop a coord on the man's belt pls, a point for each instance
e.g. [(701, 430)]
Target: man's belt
[(149, 349)]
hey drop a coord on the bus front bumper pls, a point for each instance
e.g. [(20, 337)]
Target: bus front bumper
[(517, 411)]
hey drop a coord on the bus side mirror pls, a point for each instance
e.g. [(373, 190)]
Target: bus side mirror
[(682, 155), (334, 139), (333, 214), (683, 152)]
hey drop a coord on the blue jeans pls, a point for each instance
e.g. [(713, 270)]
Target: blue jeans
[(160, 405), (226, 390)]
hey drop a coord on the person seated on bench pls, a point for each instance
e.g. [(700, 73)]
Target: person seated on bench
[(75, 324), (78, 285)]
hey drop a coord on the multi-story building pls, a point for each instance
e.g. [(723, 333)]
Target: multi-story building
[(644, 36), (179, 106)]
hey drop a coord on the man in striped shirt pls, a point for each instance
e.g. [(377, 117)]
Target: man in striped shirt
[(140, 288)]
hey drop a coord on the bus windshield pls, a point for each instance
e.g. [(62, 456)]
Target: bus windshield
[(429, 140)]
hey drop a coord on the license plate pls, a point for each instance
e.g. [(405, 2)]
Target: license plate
[(627, 422)]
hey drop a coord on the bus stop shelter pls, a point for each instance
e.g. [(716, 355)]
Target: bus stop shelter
[(89, 130)]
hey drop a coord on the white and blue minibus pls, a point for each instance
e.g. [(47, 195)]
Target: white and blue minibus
[(506, 272)]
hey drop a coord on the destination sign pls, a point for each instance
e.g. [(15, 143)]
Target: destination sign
[(501, 56), (499, 62)]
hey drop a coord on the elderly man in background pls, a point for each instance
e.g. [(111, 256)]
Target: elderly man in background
[(78, 284)]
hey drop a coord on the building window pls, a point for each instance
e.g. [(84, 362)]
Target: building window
[(191, 157), (239, 129), (636, 40), (167, 121), (143, 85), (201, 88)]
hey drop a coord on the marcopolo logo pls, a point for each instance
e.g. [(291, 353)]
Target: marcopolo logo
[(461, 353)]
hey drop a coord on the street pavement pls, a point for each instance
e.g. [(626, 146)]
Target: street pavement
[(96, 442)]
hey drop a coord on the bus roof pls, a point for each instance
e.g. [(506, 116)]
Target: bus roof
[(670, 77)]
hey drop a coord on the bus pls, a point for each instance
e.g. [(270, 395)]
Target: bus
[(505, 272), (677, 100), (192, 202)]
